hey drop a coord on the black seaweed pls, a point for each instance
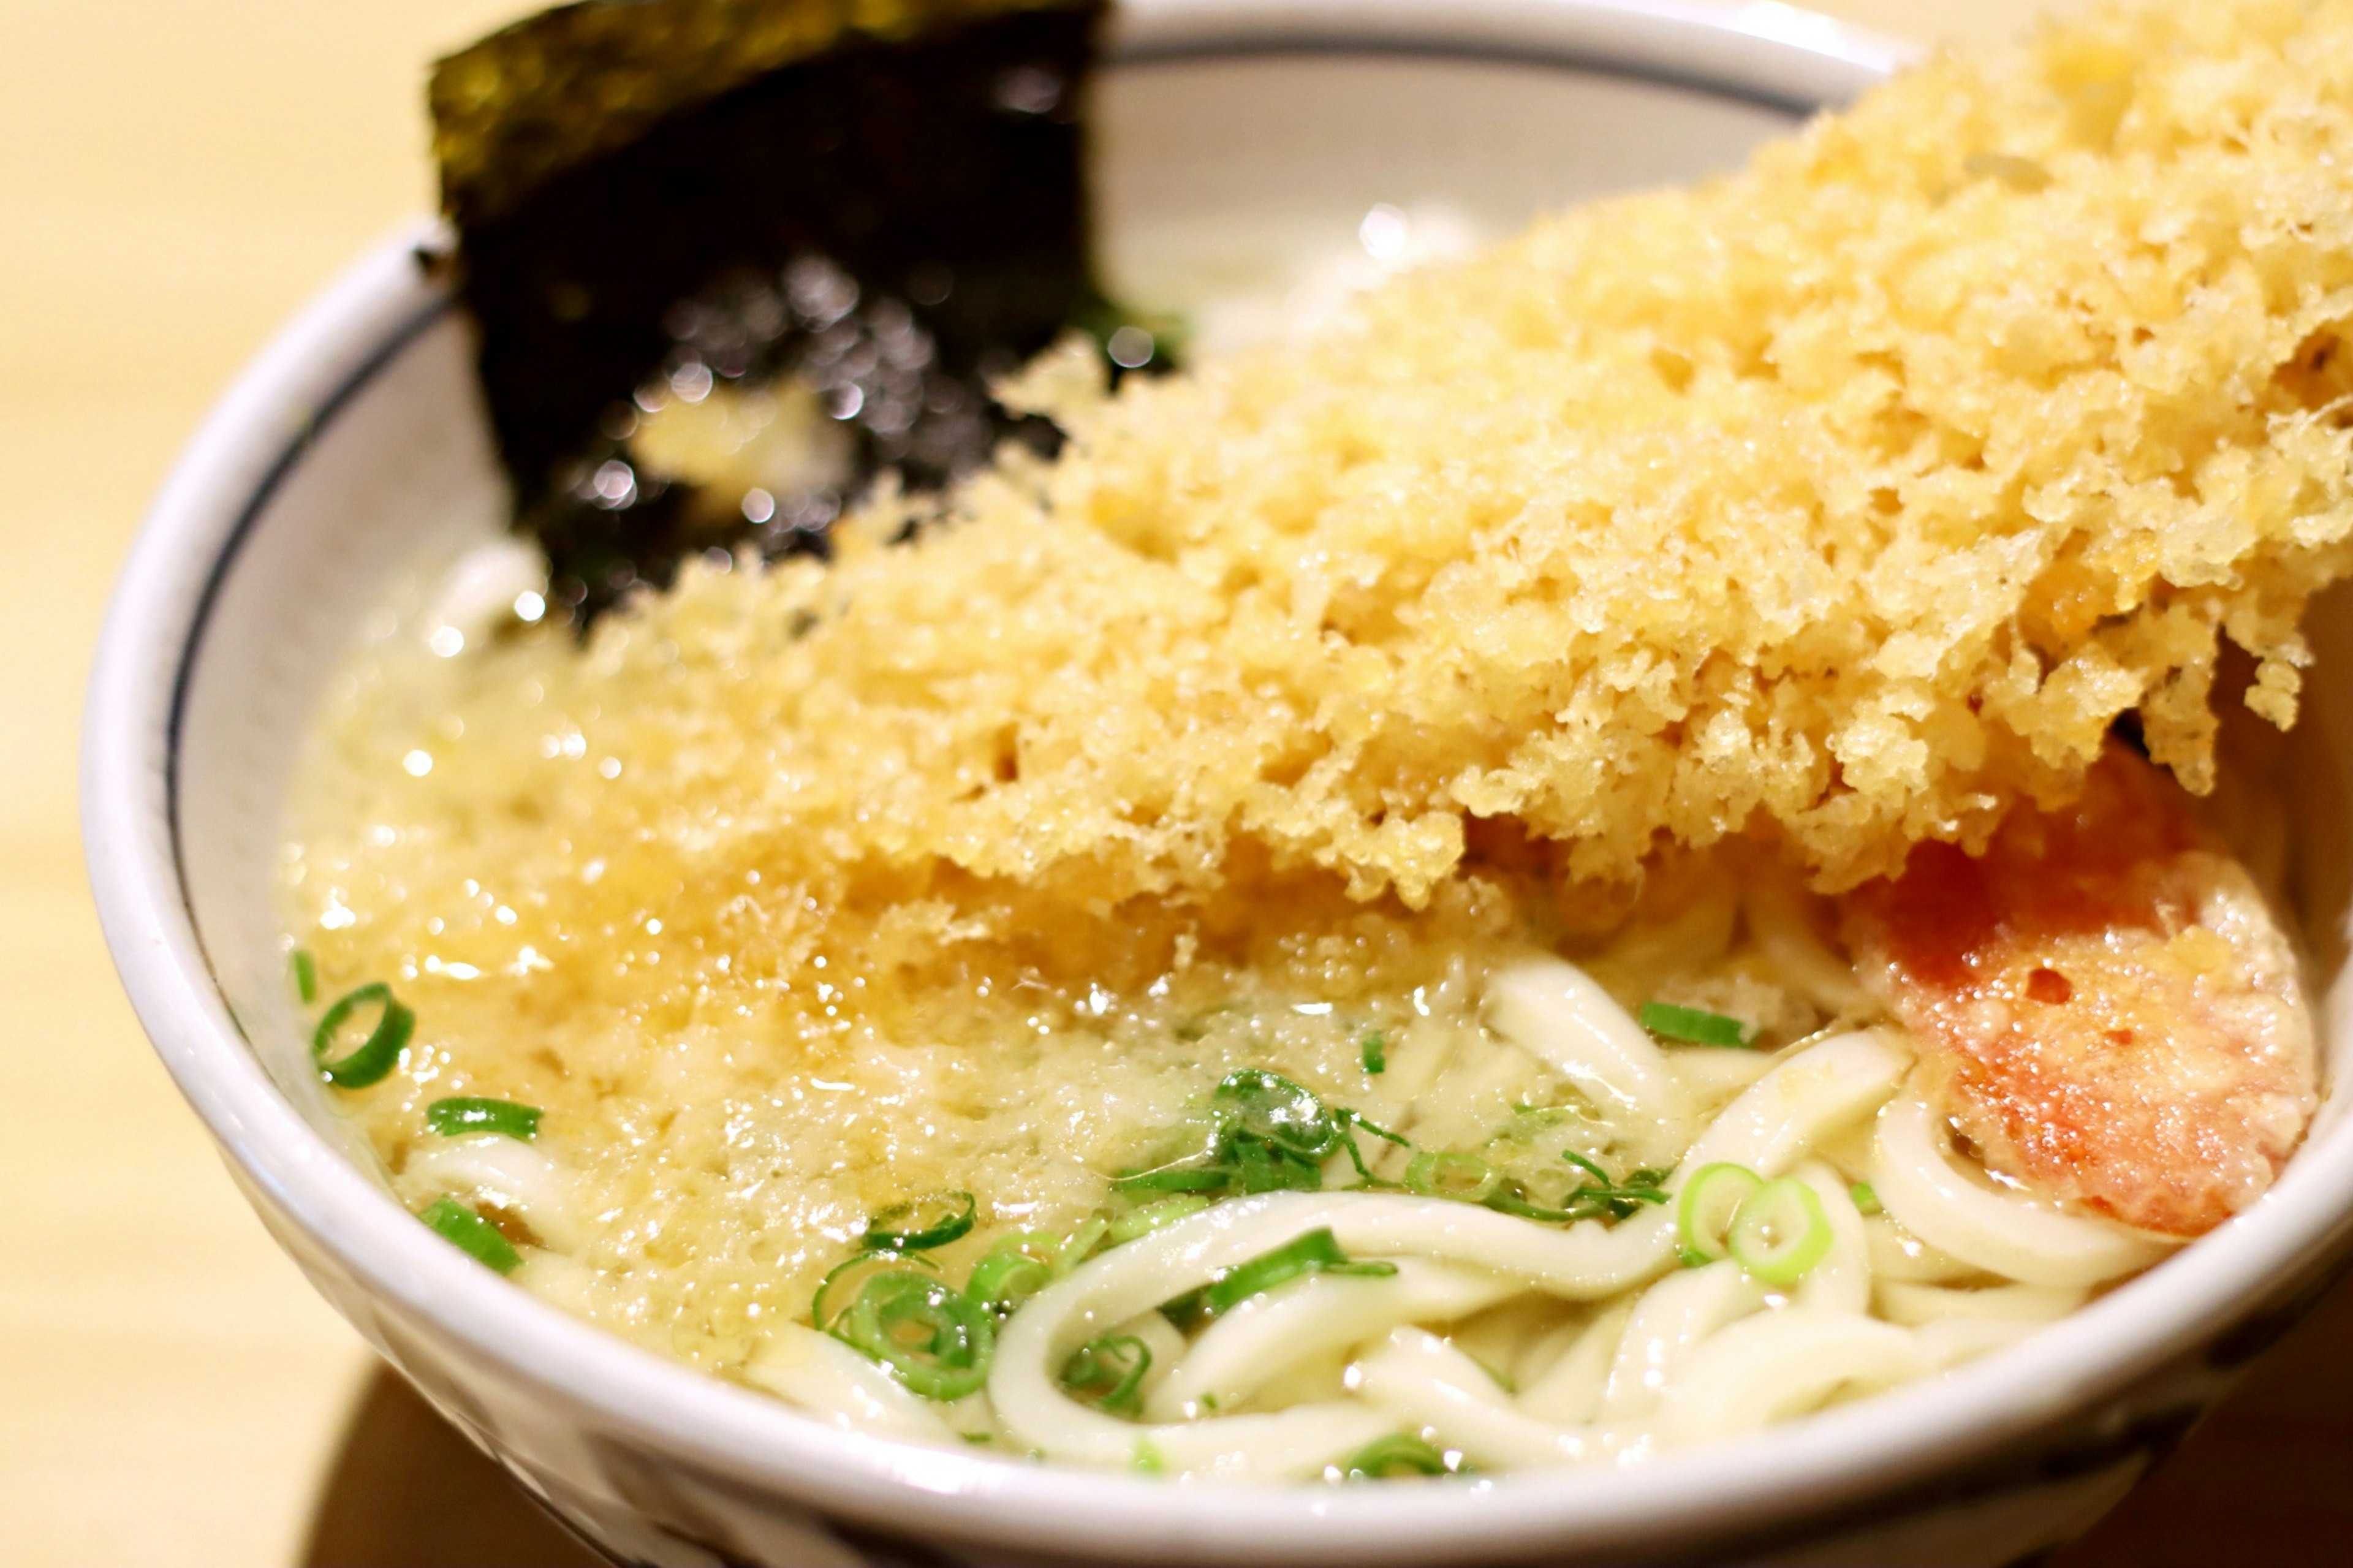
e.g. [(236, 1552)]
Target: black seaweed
[(895, 219)]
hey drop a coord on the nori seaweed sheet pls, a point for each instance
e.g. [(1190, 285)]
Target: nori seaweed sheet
[(651, 192)]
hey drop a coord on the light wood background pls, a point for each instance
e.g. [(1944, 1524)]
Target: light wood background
[(177, 176)]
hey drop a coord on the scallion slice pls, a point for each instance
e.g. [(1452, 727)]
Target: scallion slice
[(471, 1234), (934, 1339), (1081, 1244), (1317, 1252), (306, 975), (1398, 1454), (1271, 1107), (460, 1115), (1865, 1197), (1374, 1049), (1693, 1026), (1711, 1202), (1464, 1177), (1014, 1269), (845, 1280), (1781, 1231), (921, 1223), (1110, 1371), (371, 1058), (1156, 1216)]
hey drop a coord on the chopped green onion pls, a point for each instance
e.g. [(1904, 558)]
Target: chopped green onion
[(1375, 1049), (1110, 1371), (1271, 1136), (846, 1279), (921, 1223), (1693, 1026), (1865, 1197), (1464, 1177), (1317, 1252), (1781, 1231), (1398, 1454), (1271, 1107), (1156, 1215), (934, 1339), (456, 1117), (306, 976), (1149, 1460), (1016, 1268), (1710, 1204), (1618, 1200), (1081, 1244), (373, 1058), (471, 1234)]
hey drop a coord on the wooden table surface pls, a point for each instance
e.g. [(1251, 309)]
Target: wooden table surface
[(178, 175)]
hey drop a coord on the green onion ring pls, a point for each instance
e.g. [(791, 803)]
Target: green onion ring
[(1710, 1202), (1081, 1244), (1781, 1231), (1398, 1454), (373, 1057), (846, 1279), (1109, 1370), (1157, 1215), (460, 1115), (471, 1234), (1271, 1106), (1016, 1268), (935, 1339), (1465, 1178), (921, 1223)]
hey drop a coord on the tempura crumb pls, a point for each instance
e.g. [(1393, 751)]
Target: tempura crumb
[(1852, 498)]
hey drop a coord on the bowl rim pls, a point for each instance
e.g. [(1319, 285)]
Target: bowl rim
[(1798, 1474)]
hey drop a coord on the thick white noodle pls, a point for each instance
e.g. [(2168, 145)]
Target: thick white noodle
[(1897, 1254), (1672, 1317), (1776, 1119), (1782, 927), (1570, 1389), (1914, 1304), (1709, 1075), (1560, 1016), (1318, 1315), (1424, 1383), (512, 1174), (1138, 1277), (1780, 1363), (1948, 1342), (2016, 1236), (1767, 1129), (1841, 1282), (835, 1384)]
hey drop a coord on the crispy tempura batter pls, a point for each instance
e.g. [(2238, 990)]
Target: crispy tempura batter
[(2102, 1003), (1855, 494)]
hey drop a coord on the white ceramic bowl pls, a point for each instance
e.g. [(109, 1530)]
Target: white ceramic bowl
[(355, 450)]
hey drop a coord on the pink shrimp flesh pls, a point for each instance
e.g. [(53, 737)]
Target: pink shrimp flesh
[(2104, 1003)]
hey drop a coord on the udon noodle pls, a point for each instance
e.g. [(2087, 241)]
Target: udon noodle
[(1455, 1084)]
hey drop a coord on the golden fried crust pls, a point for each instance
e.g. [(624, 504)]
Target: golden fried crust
[(2102, 1002)]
